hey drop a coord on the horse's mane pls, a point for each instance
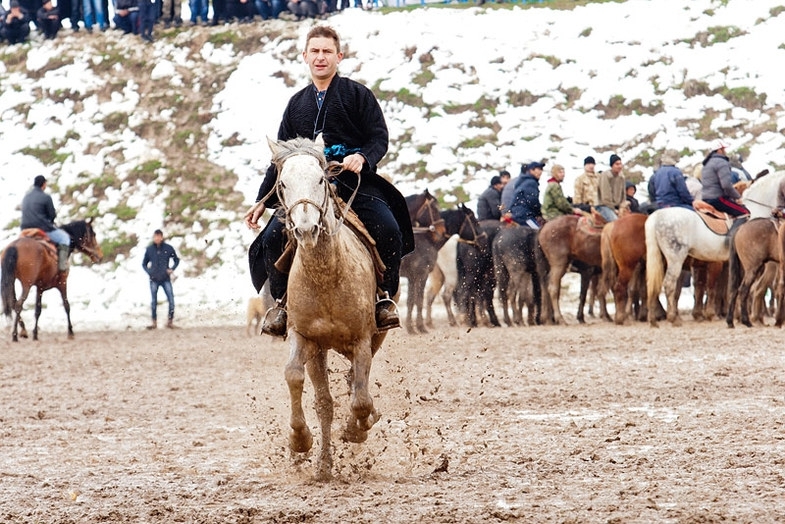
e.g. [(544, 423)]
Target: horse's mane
[(77, 229), (295, 146)]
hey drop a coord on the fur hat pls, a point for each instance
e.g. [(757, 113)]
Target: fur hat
[(670, 157), (589, 160), (614, 158)]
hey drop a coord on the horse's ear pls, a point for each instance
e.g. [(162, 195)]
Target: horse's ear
[(274, 145), (319, 140), (426, 193)]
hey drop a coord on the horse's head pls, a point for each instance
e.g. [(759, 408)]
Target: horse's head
[(83, 239), (425, 215), (470, 230), (302, 187)]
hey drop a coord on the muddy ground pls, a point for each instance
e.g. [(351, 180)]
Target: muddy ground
[(594, 423)]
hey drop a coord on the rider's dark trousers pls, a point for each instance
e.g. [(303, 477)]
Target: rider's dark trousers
[(374, 213)]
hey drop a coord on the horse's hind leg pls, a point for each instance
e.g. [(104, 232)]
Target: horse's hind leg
[(300, 439), (317, 370)]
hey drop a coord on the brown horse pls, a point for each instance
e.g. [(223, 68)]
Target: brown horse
[(753, 245), (32, 260), (623, 246), (563, 242), (430, 234)]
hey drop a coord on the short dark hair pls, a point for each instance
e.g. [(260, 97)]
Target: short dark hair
[(504, 173), (158, 232), (496, 179), (39, 181)]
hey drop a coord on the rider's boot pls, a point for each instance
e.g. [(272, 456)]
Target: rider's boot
[(63, 252), (387, 313), (275, 320)]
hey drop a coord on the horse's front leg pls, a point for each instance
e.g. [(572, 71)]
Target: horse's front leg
[(67, 307), (39, 294), (554, 291), (300, 439), (363, 415), (317, 370)]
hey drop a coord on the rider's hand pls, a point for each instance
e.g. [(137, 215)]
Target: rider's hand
[(354, 163), (252, 216)]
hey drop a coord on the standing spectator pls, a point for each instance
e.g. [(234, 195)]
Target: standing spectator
[(156, 264), (490, 201), (126, 17), (585, 194), (171, 13), (219, 12), (199, 9), (147, 13), (526, 208), (16, 25), (611, 193), (554, 203), (71, 10), (718, 187), (38, 211), (667, 186), (48, 20), (94, 14)]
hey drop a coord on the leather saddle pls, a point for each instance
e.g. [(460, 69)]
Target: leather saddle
[(717, 221), (40, 235), (592, 224)]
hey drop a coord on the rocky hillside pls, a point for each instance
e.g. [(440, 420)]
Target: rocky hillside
[(171, 135)]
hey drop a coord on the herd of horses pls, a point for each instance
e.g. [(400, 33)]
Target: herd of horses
[(635, 258), (333, 279)]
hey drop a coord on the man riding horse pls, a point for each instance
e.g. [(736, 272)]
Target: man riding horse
[(350, 120), (38, 212)]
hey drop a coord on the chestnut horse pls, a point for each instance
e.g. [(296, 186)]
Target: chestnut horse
[(32, 260), (561, 243)]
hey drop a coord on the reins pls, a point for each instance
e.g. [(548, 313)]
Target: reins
[(475, 236), (430, 228)]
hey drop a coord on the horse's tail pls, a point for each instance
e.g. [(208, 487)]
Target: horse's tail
[(7, 279), (610, 270), (655, 266)]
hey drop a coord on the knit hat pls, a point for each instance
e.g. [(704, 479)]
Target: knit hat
[(670, 157), (614, 158), (13, 4), (589, 160)]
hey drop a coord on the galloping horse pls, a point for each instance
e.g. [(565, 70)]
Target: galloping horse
[(33, 261), (675, 233), (430, 235), (332, 295), (561, 242)]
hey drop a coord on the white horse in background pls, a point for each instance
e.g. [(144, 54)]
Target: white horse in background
[(331, 299), (761, 197)]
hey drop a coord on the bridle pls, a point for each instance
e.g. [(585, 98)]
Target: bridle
[(468, 222), (331, 170), (434, 218)]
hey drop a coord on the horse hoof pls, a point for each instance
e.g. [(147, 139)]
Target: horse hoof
[(300, 442), (730, 325), (354, 435), (748, 323)]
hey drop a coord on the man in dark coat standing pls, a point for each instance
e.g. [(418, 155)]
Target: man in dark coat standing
[(350, 120), (156, 264)]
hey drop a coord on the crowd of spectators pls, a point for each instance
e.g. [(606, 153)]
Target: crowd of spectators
[(140, 16)]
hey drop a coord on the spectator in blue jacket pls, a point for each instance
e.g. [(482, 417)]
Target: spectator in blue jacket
[(156, 263), (526, 208), (667, 186)]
